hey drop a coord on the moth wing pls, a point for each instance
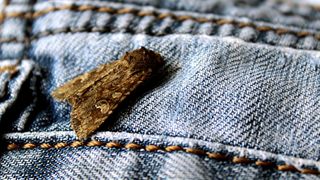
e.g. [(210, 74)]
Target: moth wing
[(96, 104), (82, 82)]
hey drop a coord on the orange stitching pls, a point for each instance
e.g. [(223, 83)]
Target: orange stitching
[(142, 13), (286, 167), (264, 163), (309, 171), (132, 146), (94, 143), (224, 21), (216, 156), (145, 13), (126, 11), (150, 147), (303, 34), (76, 144), (12, 69), (164, 15), (241, 160), (87, 8), (184, 18), (12, 146), (245, 24), (263, 28), (60, 145), (5, 3), (173, 148), (28, 146), (45, 146), (202, 20), (195, 151), (282, 31), (113, 145), (106, 10)]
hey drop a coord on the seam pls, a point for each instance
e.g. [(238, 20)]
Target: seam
[(28, 30), (165, 149), (212, 10), (160, 16)]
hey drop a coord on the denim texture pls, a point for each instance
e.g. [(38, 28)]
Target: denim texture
[(260, 10), (245, 84)]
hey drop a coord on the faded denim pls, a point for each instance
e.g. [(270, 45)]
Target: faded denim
[(230, 86)]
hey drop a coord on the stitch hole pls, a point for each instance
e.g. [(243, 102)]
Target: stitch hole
[(45, 146), (173, 148), (241, 160), (12, 146), (113, 145), (61, 30), (28, 15), (44, 33), (286, 167), (152, 148), (132, 146)]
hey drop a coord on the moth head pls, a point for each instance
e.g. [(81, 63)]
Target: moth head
[(143, 58)]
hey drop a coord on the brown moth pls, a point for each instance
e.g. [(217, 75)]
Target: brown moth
[(95, 94)]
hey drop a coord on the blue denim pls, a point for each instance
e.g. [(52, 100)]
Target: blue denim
[(244, 84)]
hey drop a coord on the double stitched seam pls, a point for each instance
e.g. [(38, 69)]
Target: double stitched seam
[(28, 30), (308, 17), (166, 149), (142, 13)]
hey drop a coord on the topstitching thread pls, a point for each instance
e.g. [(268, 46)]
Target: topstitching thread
[(158, 15), (166, 149)]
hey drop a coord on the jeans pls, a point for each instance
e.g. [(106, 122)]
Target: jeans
[(238, 96)]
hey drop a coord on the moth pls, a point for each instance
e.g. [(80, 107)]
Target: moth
[(96, 94)]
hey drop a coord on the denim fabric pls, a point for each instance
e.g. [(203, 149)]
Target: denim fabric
[(260, 10), (241, 84)]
